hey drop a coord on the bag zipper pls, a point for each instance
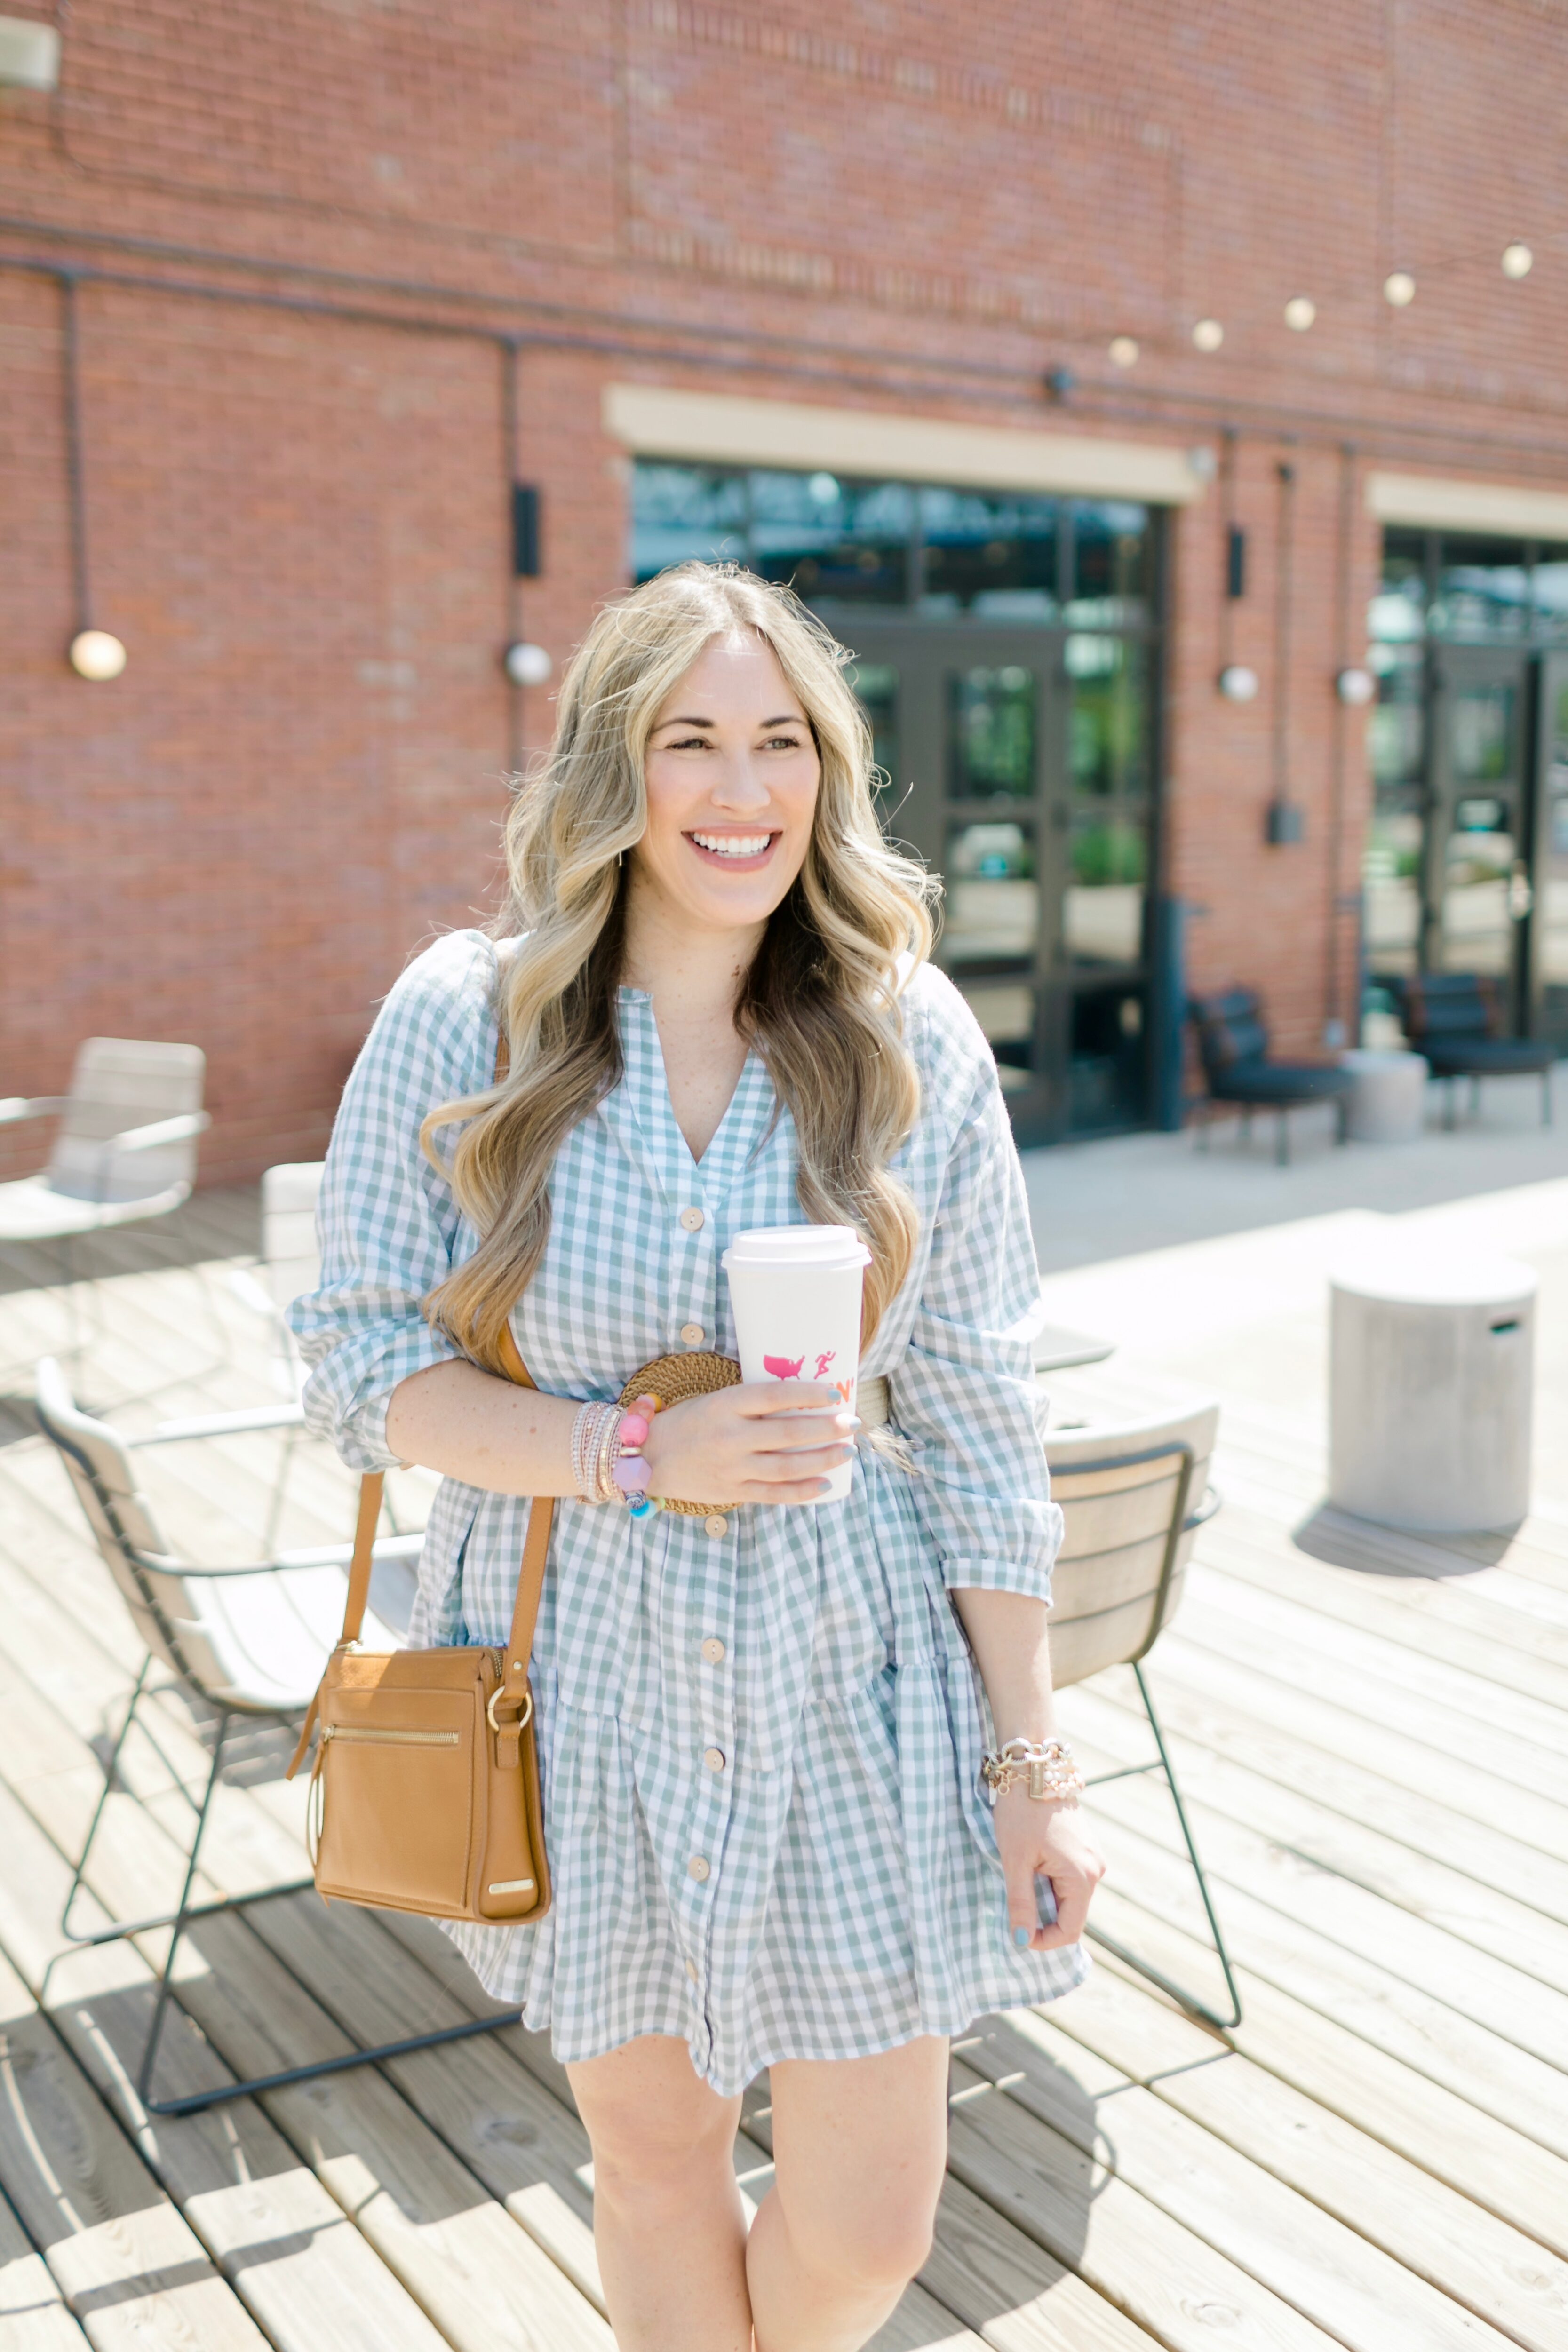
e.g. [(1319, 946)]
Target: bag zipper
[(367, 1737)]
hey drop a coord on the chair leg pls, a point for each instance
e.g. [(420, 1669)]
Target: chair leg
[(1282, 1139), (1448, 1104), (109, 1771), (166, 1974), (1246, 1122), (1475, 1102), (1546, 1095), (1145, 1969)]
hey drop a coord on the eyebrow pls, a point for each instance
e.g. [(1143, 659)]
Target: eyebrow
[(785, 718)]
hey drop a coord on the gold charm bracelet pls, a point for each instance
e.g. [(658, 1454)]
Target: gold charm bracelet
[(1047, 1765)]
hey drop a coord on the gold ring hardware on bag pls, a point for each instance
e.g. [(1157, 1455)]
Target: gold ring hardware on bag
[(523, 1720)]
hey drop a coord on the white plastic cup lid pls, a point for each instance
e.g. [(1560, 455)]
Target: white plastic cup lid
[(797, 1249)]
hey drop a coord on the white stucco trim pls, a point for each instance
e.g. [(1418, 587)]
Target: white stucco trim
[(1429, 502), (724, 428)]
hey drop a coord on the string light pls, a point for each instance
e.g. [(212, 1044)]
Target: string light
[(1517, 259), (1208, 335), (1124, 351), (1299, 313), (1399, 290)]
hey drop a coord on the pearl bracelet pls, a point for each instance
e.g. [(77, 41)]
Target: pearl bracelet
[(1046, 1764)]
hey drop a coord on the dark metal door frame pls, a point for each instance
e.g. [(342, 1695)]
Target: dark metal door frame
[(926, 810)]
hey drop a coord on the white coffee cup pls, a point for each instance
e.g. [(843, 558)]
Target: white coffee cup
[(796, 1291)]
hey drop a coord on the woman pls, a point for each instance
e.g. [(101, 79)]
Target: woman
[(762, 1730)]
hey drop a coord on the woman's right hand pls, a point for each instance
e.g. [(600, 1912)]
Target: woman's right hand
[(758, 1442)]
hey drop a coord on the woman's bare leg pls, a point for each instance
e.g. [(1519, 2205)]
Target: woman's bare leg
[(859, 2148), (667, 2220)]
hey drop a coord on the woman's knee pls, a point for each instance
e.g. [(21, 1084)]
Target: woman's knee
[(868, 2239), (655, 2129)]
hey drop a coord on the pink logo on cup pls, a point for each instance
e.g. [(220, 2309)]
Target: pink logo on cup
[(823, 1361), (782, 1368)]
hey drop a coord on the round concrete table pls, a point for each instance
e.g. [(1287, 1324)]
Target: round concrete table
[(1388, 1099), (1431, 1376)]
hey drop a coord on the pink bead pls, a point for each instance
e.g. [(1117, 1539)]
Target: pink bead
[(634, 1429)]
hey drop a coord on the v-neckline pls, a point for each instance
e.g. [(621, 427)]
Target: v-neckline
[(713, 1155)]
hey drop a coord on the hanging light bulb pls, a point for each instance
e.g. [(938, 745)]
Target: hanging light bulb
[(1208, 335), (1399, 290), (1517, 259), (1124, 350), (1299, 313), (94, 654)]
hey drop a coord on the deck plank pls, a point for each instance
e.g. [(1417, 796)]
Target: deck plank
[(129, 2266), (33, 2314), (1421, 2230)]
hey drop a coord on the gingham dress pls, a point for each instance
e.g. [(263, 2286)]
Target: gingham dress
[(761, 1735)]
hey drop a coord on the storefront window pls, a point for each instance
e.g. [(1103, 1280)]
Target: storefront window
[(1392, 865), (1399, 608), (1483, 591), (1108, 761), (679, 512), (988, 554), (1001, 556), (846, 541)]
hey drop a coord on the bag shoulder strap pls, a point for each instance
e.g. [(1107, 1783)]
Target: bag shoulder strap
[(541, 1512)]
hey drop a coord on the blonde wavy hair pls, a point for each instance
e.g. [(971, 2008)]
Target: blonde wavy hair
[(820, 1003)]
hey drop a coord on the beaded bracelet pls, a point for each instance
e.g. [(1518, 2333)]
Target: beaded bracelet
[(1047, 1765)]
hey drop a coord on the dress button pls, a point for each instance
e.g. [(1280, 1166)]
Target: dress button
[(692, 1335), (714, 1758), (713, 1651), (717, 1523), (693, 1220), (698, 1868)]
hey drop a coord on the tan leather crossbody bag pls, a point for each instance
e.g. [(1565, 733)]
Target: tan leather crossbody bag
[(425, 1795)]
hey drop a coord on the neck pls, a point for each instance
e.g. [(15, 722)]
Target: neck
[(684, 969)]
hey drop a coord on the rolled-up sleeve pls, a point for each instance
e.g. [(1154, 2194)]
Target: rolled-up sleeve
[(388, 1227), (966, 1394)]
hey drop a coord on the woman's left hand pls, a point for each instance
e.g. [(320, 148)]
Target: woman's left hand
[(1052, 1840)]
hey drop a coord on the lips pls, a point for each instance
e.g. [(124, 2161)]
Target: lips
[(739, 851)]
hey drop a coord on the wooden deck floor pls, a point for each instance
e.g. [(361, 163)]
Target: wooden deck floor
[(1378, 2158)]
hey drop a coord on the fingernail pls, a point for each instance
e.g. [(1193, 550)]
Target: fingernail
[(1023, 1938), (847, 1420)]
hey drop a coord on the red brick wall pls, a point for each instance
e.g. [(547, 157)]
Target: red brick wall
[(298, 523)]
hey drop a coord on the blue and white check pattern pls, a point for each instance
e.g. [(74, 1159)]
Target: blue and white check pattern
[(761, 1746)]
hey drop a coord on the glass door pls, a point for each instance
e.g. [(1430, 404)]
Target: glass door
[(1549, 921), (1019, 769), (1477, 896)]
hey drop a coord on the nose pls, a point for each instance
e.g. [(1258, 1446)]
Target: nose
[(738, 789)]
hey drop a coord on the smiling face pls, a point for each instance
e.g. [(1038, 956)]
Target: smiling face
[(731, 773)]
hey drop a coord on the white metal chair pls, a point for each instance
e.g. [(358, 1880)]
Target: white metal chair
[(1134, 1491), (248, 1642), (126, 1148), (289, 1264)]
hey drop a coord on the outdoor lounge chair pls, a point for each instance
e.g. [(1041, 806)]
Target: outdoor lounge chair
[(290, 1264), (126, 1148), (1455, 1019), (1132, 1495), (248, 1642), (125, 1151), (1233, 1045)]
